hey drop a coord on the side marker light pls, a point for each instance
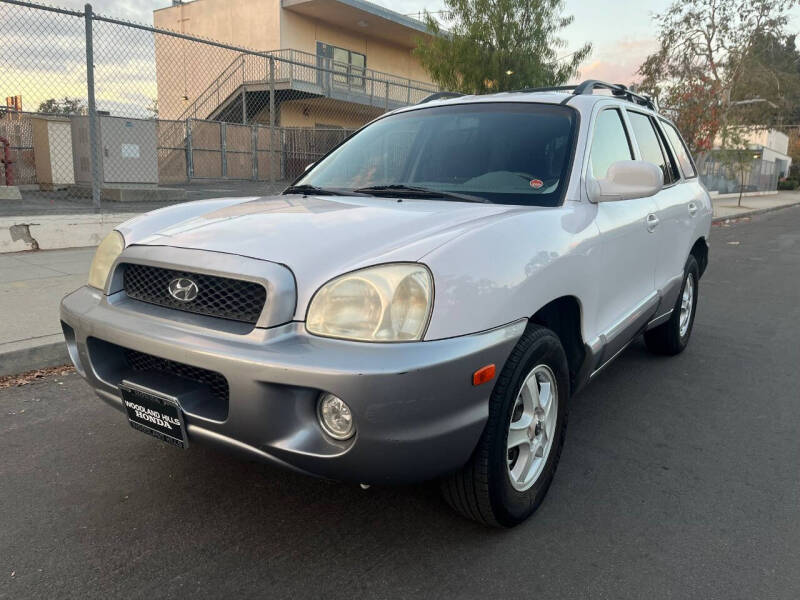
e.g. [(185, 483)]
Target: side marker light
[(483, 375)]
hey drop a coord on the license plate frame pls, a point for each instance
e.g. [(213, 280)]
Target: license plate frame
[(157, 414)]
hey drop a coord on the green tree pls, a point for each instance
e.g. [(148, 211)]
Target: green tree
[(65, 106), (737, 158), (700, 71), (771, 72), (499, 45)]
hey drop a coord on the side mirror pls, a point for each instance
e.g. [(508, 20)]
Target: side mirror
[(626, 180)]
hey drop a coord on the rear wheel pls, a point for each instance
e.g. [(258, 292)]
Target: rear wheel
[(672, 337), (515, 460)]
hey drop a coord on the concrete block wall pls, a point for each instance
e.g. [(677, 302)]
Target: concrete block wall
[(51, 232)]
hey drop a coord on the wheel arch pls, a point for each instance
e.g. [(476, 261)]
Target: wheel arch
[(700, 252), (563, 316)]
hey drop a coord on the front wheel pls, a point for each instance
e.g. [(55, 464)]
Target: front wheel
[(672, 337), (510, 471)]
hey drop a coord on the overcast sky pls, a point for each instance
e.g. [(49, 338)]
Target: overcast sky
[(620, 30)]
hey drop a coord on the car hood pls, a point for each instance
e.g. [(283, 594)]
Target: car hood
[(320, 237)]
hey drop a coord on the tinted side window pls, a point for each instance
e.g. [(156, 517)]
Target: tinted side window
[(610, 143), (680, 150), (669, 155), (650, 146)]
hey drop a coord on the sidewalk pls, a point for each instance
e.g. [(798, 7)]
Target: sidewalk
[(33, 283), (31, 287), (726, 207)]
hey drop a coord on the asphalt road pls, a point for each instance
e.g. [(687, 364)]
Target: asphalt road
[(680, 478)]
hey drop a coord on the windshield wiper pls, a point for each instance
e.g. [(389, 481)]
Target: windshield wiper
[(409, 191), (312, 189)]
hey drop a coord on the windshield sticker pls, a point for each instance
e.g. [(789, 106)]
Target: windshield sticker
[(536, 183)]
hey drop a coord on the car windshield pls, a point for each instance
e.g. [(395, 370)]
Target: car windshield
[(506, 153)]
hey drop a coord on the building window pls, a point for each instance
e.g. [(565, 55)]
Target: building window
[(347, 67)]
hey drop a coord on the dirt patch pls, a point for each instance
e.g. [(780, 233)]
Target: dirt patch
[(20, 379), (731, 221)]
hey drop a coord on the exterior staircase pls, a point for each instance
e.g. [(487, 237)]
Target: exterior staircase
[(248, 82), (250, 91)]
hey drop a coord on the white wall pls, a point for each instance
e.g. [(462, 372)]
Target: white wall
[(770, 138)]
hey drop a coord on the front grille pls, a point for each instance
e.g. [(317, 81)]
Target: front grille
[(139, 361), (216, 296)]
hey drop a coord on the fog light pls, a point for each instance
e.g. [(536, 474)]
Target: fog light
[(335, 417)]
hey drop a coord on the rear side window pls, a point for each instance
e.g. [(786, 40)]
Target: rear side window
[(650, 146), (679, 149), (610, 143)]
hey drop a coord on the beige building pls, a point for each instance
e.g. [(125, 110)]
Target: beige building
[(316, 63)]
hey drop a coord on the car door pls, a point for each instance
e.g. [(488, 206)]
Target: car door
[(673, 208), (627, 295), (687, 207)]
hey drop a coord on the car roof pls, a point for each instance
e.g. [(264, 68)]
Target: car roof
[(582, 96)]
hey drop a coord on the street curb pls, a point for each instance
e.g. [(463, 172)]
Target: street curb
[(759, 211), (52, 354)]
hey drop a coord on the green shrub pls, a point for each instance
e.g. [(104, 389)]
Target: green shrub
[(788, 184)]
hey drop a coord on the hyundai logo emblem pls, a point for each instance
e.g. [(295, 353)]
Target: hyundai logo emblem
[(183, 289)]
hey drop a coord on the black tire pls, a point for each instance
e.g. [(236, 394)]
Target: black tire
[(482, 490), (666, 339)]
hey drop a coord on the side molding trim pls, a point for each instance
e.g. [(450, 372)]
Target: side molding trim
[(662, 318)]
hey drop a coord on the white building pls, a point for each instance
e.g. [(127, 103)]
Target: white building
[(766, 148), (773, 147)]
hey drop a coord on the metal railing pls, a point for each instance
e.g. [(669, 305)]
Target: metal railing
[(303, 70)]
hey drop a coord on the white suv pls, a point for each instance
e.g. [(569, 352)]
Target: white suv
[(420, 304)]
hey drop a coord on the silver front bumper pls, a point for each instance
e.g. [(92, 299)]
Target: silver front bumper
[(416, 411)]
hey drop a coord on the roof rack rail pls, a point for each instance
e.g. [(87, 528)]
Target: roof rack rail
[(617, 89), (440, 96), (588, 87), (554, 88)]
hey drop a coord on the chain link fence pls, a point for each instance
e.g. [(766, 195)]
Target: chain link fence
[(750, 172), (107, 113), (763, 165)]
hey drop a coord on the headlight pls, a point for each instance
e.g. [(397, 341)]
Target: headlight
[(107, 252), (388, 303)]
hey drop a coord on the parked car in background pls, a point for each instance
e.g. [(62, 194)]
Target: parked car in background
[(422, 303)]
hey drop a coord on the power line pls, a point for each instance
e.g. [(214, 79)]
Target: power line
[(567, 55)]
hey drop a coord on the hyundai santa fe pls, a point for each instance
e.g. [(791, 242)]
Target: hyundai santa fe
[(420, 304)]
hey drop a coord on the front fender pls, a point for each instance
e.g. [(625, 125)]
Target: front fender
[(514, 266)]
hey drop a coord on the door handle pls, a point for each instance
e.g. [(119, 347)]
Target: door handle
[(692, 208), (652, 222)]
